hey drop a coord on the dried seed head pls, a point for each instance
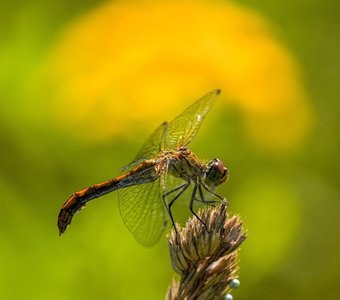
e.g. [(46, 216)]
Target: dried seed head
[(196, 241), (204, 255)]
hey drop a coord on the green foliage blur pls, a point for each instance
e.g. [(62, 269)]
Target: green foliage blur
[(289, 201)]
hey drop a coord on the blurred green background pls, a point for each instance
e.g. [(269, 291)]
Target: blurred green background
[(82, 84)]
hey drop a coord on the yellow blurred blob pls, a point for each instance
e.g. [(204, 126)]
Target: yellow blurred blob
[(132, 63)]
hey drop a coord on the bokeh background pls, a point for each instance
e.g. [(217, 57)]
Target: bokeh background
[(83, 84)]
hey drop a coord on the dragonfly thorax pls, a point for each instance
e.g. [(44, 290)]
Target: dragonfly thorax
[(184, 164), (215, 173)]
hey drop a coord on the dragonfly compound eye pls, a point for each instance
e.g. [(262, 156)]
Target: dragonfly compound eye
[(215, 173)]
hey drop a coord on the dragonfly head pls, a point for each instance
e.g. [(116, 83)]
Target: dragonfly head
[(215, 173)]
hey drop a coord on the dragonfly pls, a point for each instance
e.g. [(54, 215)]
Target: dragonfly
[(162, 171)]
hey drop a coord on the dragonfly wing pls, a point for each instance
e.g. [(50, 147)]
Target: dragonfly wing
[(150, 149), (184, 127), (143, 212)]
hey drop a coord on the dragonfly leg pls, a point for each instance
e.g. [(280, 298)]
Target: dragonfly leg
[(208, 202), (224, 200), (203, 200), (174, 190), (181, 189), (191, 206)]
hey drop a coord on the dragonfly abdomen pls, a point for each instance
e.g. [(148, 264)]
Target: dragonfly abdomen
[(143, 173)]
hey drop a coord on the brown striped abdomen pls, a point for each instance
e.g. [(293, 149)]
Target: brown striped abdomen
[(143, 173)]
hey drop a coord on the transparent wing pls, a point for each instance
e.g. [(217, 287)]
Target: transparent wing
[(143, 212), (170, 183), (179, 132), (184, 127), (150, 149)]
